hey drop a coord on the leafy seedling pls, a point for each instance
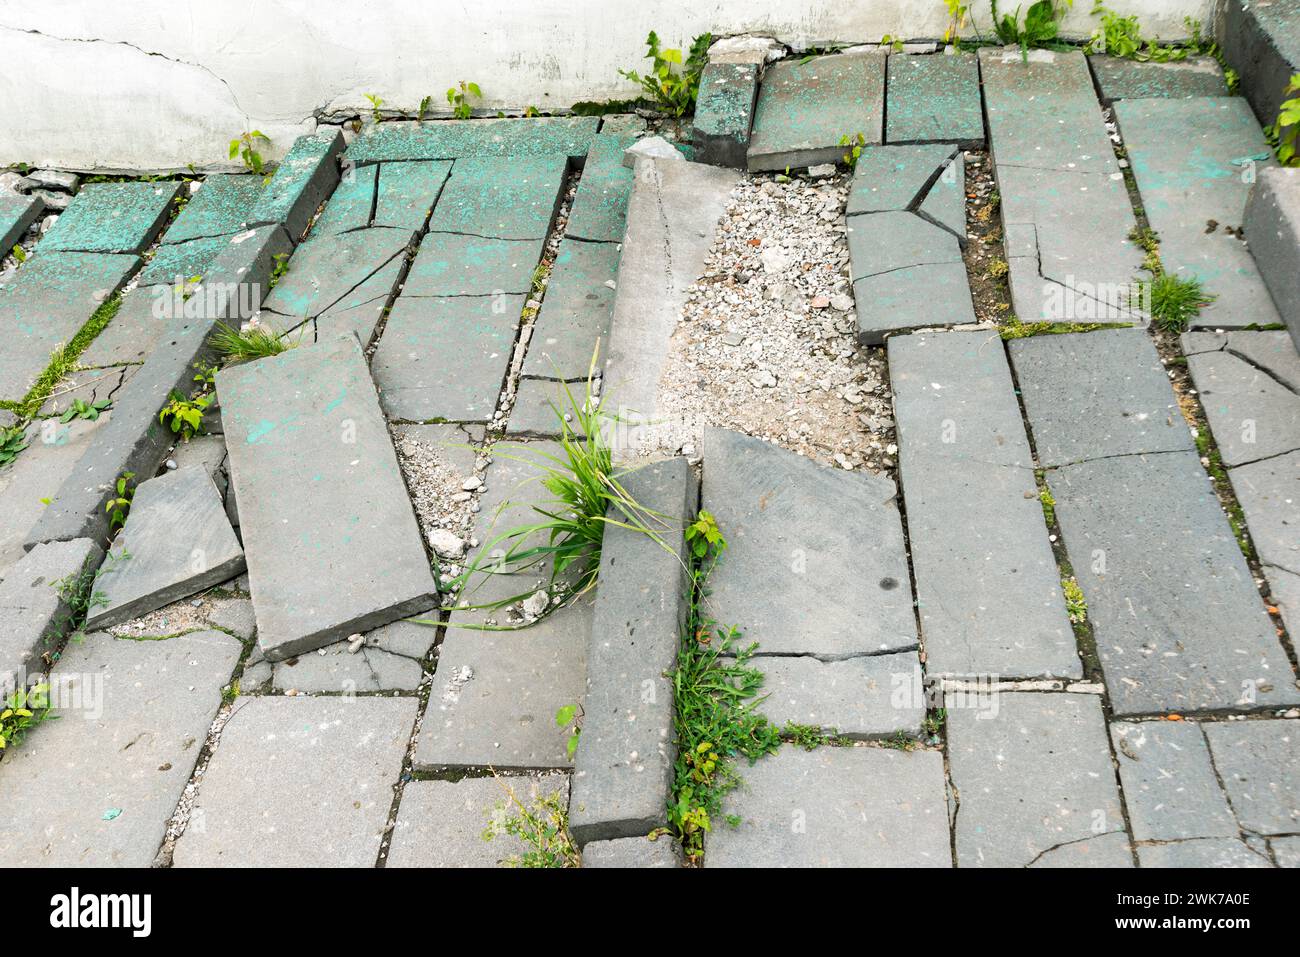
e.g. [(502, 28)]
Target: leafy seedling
[(81, 409), (247, 146), (458, 96), (119, 505)]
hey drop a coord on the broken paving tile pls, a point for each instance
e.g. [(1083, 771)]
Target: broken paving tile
[(806, 107), (1104, 850), (452, 139), (804, 580), (945, 204), (1259, 763), (575, 313), (539, 406), (176, 542), (327, 268), (34, 611), (350, 205), (358, 313), (501, 198), (934, 98), (1252, 415), (1215, 852), (896, 177), (446, 358), (303, 180), (408, 192), (348, 556), (1268, 494), (1119, 78), (86, 385), (724, 111), (112, 218), (221, 207), (1170, 785), (448, 264), (599, 211), (858, 807), (182, 262), (1032, 775), (388, 659), (17, 213), (322, 791), (854, 698)]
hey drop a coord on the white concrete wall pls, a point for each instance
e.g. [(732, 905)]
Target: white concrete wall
[(159, 84)]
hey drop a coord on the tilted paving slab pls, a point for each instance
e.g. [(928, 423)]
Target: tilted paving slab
[(599, 210), (1259, 764), (1178, 622), (34, 612), (513, 197), (389, 659), (934, 98), (988, 587), (576, 311), (221, 207), (86, 385), (672, 219), (132, 719), (181, 262), (864, 697), (1032, 772), (1097, 394), (623, 771), (724, 111), (1270, 500), (1262, 41), (452, 139), (945, 204), (327, 268), (299, 781), (896, 177), (176, 542), (442, 823), (1216, 852), (331, 539), (134, 440), (351, 204), (1170, 786), (449, 264), (799, 579), (805, 107), (112, 218), (358, 313), (1272, 225), (836, 807), (408, 192), (303, 180), (51, 298), (628, 852), (17, 213), (1252, 415), (1119, 78), (446, 358), (1194, 161)]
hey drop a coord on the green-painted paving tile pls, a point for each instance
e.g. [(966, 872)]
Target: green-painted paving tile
[(1120, 79), (501, 197), (221, 207), (52, 297), (408, 192), (945, 204), (112, 218), (575, 312), (325, 269), (805, 108), (185, 260), (599, 209), (895, 177), (351, 203), (724, 112), (450, 264), (16, 214), (934, 99), (302, 181), (453, 139)]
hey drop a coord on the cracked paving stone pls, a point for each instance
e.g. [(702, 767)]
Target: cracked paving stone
[(88, 386), (449, 264), (408, 191), (350, 205), (389, 659), (896, 177), (1104, 850), (326, 269), (112, 218), (501, 198), (1214, 852), (1169, 782), (1252, 415), (221, 207), (1259, 763)]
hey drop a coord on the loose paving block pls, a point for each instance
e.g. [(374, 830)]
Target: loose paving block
[(1194, 161), (804, 108), (299, 782), (1032, 774), (576, 311), (1097, 394), (1261, 40), (112, 218), (799, 579), (446, 358), (442, 823), (408, 192), (351, 204), (390, 659), (1169, 781), (34, 612), (623, 772), (179, 263), (133, 716), (599, 211), (222, 206), (945, 204), (177, 541), (453, 139), (1123, 79), (988, 587), (327, 268), (543, 407), (628, 852), (1178, 622), (134, 440), (864, 697), (724, 111), (1253, 416), (449, 264), (896, 177), (836, 807), (1105, 850), (934, 99), (1272, 225), (51, 298), (1215, 853), (1259, 763), (17, 213), (303, 180), (358, 312), (332, 543), (501, 198)]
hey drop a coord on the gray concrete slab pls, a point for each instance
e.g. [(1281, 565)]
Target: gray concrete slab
[(408, 192), (1259, 764), (1109, 850), (896, 177), (1252, 415), (17, 213), (112, 218), (1215, 852), (389, 659), (934, 99), (351, 204), (1170, 785), (34, 604), (448, 264), (328, 268), (724, 111), (303, 180), (1119, 78), (1272, 225), (628, 852), (512, 197), (599, 211), (221, 207), (576, 311), (453, 139), (861, 698)]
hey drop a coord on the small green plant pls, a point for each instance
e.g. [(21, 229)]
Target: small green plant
[(1175, 301), (1041, 26), (532, 111), (1285, 131), (1048, 502), (958, 14), (375, 103), (425, 102), (810, 737), (81, 409), (1076, 606), (247, 146), (119, 505), (703, 535), (1122, 37), (22, 711), (20, 254), (12, 441), (569, 717), (853, 148), (458, 96), (185, 416), (998, 268), (279, 269), (543, 827), (894, 43), (933, 724), (256, 342), (672, 84)]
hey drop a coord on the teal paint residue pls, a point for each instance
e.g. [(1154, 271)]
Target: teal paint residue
[(330, 407), (260, 431)]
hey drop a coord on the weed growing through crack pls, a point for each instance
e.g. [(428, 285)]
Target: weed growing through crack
[(63, 360), (21, 711), (543, 827), (81, 409), (248, 146), (458, 96), (1175, 301), (376, 102), (672, 84), (1076, 606), (12, 441), (1284, 132), (244, 345), (1121, 36), (119, 504), (1041, 27), (853, 148)]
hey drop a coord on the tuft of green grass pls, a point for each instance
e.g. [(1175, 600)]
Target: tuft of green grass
[(1013, 328), (1175, 301), (542, 827), (1076, 606), (63, 360), (258, 342), (810, 737)]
